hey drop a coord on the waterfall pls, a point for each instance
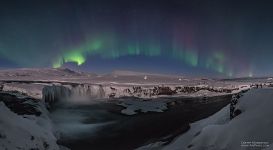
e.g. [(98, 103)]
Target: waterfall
[(92, 91), (57, 93)]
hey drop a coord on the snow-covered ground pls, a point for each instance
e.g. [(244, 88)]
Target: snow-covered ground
[(252, 129), (26, 132)]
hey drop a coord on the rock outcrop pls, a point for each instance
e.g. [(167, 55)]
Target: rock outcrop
[(21, 105)]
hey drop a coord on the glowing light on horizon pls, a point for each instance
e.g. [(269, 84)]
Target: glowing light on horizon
[(250, 74)]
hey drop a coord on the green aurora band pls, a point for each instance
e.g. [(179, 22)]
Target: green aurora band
[(216, 62), (108, 49), (79, 54)]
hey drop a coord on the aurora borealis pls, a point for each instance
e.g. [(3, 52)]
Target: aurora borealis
[(191, 37)]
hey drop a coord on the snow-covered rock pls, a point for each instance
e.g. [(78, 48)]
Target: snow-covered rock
[(32, 90), (25, 132)]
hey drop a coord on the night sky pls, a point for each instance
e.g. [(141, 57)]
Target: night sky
[(196, 37)]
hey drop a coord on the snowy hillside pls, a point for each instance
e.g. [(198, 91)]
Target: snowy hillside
[(25, 131), (250, 129)]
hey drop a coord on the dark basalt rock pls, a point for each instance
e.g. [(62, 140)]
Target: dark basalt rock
[(234, 112), (137, 89), (198, 133), (20, 106), (237, 112), (2, 136), (112, 95), (165, 91), (127, 91), (113, 89), (189, 146), (178, 89), (190, 89)]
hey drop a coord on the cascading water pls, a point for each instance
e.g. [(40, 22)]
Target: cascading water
[(70, 107), (55, 93), (64, 93), (92, 91)]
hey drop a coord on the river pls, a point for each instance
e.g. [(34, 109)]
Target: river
[(100, 125)]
